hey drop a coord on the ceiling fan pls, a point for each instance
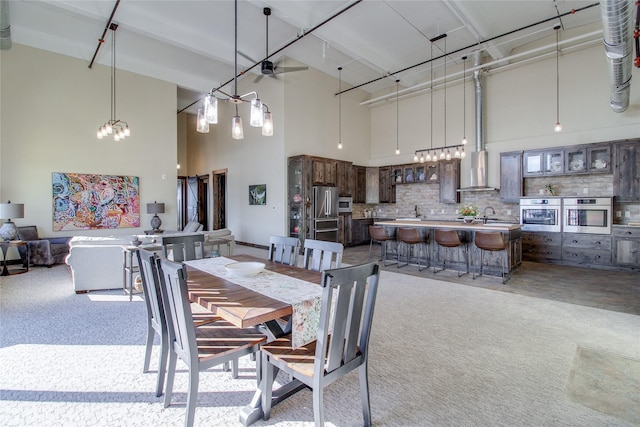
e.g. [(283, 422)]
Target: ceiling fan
[(268, 68)]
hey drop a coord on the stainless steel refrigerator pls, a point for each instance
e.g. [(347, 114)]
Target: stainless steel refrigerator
[(324, 223)]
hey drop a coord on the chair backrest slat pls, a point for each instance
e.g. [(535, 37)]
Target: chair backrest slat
[(173, 285), (284, 249), (319, 255), (151, 288), (343, 333), (183, 247)]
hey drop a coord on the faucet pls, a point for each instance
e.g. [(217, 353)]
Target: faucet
[(416, 209), (485, 218)]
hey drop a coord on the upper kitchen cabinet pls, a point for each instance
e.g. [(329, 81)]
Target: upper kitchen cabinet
[(547, 162), (599, 158), (345, 178), (324, 171), (626, 170), (387, 190), (575, 159), (511, 182), (373, 185), (360, 180), (449, 181)]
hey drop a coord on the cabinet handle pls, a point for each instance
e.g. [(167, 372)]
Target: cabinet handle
[(574, 241), (628, 232), (598, 242)]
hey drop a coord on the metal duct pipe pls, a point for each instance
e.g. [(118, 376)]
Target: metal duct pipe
[(5, 27), (617, 23), (478, 157)]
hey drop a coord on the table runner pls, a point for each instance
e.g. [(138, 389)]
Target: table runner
[(305, 297)]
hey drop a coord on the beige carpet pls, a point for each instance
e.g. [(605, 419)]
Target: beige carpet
[(442, 354), (606, 382)]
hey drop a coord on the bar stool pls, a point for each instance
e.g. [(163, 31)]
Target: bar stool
[(378, 234), (448, 239), (411, 237), (493, 242)]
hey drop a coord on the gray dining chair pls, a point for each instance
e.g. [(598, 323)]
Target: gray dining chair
[(183, 248), (199, 348), (284, 249), (320, 255), (334, 354), (156, 322)]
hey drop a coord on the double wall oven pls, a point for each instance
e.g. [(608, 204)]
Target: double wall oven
[(591, 215), (541, 214)]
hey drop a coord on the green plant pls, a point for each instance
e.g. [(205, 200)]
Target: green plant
[(469, 210)]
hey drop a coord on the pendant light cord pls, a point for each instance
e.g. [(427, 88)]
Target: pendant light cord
[(340, 107), (113, 72), (445, 92), (557, 75), (464, 99), (235, 48), (431, 101)]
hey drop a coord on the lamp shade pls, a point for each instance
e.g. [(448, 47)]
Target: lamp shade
[(11, 210), (155, 208)]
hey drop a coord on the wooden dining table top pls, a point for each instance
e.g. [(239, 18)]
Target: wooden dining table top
[(241, 306)]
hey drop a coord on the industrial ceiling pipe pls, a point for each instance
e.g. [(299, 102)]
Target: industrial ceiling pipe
[(5, 27), (617, 23)]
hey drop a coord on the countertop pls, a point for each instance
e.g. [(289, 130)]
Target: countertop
[(457, 225)]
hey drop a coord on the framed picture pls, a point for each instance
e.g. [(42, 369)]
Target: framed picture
[(258, 194), (86, 201)]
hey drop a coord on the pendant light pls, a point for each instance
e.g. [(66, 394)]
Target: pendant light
[(397, 118), (119, 129), (442, 155), (339, 108), (428, 157), (558, 126), (464, 100)]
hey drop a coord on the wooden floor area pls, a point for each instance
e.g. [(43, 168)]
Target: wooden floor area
[(609, 290)]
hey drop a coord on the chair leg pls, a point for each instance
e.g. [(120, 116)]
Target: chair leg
[(267, 386), (194, 376), (162, 366), (370, 248), (171, 372), (364, 394), (234, 368), (318, 405), (149, 347)]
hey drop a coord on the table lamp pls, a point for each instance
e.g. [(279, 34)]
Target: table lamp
[(155, 208), (9, 210)]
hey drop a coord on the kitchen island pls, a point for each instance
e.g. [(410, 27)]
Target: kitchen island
[(492, 262)]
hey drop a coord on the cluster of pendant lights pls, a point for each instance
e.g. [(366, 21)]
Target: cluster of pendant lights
[(118, 128), (260, 114), (431, 154)]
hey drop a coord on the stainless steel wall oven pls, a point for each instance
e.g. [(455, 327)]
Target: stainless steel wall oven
[(587, 215), (541, 214)]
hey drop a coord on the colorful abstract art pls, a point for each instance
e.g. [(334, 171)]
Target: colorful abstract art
[(85, 201)]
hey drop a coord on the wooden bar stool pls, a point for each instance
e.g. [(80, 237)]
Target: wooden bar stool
[(410, 237), (378, 234), (448, 239), (492, 241)]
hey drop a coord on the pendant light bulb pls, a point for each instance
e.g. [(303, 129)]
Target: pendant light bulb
[(442, 154), (267, 126), (464, 140), (428, 158), (457, 153), (211, 109), (558, 127), (448, 156), (462, 153), (202, 125), (236, 127), (415, 157), (257, 117)]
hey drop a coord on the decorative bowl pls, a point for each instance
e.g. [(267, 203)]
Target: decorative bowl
[(468, 219), (244, 269)]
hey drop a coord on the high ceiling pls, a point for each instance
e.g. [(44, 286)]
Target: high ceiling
[(191, 43)]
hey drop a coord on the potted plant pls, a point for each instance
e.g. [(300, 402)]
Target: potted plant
[(468, 212)]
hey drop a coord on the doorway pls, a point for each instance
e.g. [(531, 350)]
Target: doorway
[(193, 200), (219, 198)]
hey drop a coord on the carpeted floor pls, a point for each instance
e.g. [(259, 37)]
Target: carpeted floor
[(442, 354)]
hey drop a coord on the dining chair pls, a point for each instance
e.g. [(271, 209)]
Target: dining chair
[(336, 351), (284, 249), (199, 348), (183, 248), (156, 322), (320, 255)]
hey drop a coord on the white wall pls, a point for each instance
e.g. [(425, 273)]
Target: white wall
[(520, 112), (305, 113), (51, 108)]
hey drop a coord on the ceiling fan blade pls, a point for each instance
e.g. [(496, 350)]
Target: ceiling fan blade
[(280, 70), (258, 78)]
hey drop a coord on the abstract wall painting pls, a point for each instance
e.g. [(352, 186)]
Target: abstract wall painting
[(87, 201), (258, 194)]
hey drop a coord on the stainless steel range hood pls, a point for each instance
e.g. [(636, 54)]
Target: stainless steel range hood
[(479, 157)]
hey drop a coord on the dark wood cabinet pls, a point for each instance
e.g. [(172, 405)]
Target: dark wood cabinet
[(345, 234), (360, 184), (541, 246), (373, 185), (449, 181), (324, 171), (387, 190), (586, 249), (345, 178), (626, 171), (626, 246), (511, 182), (360, 231)]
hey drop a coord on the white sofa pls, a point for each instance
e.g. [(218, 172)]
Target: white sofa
[(97, 262)]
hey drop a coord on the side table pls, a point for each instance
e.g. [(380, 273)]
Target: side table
[(129, 267), (25, 258)]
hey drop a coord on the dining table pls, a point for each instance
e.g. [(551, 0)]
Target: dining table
[(270, 301)]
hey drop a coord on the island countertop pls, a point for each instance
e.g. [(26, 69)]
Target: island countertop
[(455, 225)]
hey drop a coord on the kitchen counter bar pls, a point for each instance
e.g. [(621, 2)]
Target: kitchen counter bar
[(492, 261)]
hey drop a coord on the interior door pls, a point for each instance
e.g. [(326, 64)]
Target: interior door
[(219, 198)]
